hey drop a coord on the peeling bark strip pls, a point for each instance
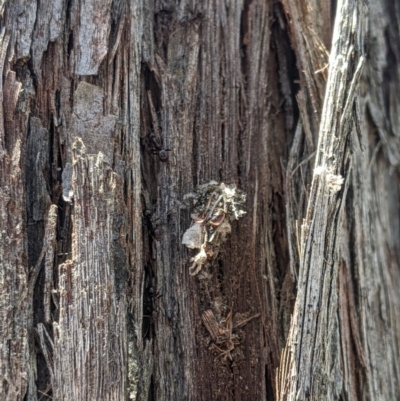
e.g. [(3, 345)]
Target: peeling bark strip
[(91, 22), (90, 336), (312, 62), (310, 361)]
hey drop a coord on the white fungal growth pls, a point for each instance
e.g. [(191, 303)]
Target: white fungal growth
[(214, 206), (334, 182)]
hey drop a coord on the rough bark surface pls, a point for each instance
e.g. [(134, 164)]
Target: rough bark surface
[(112, 111), (309, 355)]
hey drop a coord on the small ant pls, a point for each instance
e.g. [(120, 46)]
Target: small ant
[(157, 148), (150, 308), (153, 225)]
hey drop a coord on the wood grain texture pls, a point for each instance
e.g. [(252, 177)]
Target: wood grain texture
[(89, 337), (313, 338), (14, 273), (96, 296), (372, 244)]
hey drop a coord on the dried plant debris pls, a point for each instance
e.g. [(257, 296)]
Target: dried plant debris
[(222, 332), (215, 206)]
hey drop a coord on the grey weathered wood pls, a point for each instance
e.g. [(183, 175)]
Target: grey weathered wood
[(90, 335), (373, 278), (311, 364), (101, 305)]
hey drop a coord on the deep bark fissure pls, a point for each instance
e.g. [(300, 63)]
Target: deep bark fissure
[(112, 111)]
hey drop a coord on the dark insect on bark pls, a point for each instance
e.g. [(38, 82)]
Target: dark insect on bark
[(150, 313), (157, 148), (153, 224)]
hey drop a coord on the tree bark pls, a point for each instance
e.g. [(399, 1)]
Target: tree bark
[(307, 357), (111, 112)]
